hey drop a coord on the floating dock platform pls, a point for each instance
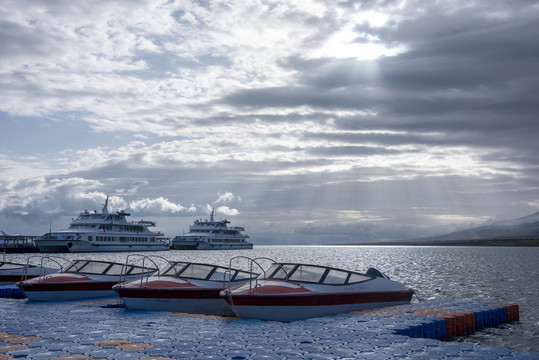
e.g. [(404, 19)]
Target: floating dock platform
[(100, 329)]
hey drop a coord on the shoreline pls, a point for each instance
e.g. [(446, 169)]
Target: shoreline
[(469, 242)]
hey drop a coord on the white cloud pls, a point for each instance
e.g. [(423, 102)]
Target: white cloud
[(225, 210), (158, 205), (225, 198)]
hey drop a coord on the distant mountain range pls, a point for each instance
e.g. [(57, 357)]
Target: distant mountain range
[(523, 231), (526, 227)]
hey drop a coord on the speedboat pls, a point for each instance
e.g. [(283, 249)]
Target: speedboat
[(82, 279), (294, 291), (11, 272), (183, 287), (104, 232), (212, 235)]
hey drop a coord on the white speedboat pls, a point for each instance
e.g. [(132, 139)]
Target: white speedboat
[(82, 279), (293, 291), (95, 232), (212, 235), (11, 272), (183, 287)]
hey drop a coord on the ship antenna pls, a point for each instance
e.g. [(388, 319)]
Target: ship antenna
[(211, 216), (105, 209)]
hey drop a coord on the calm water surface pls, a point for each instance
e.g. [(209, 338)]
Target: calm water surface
[(493, 274)]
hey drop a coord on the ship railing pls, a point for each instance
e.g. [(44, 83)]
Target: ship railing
[(42, 269), (146, 222)]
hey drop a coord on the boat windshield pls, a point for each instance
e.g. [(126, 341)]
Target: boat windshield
[(196, 271), (10, 266), (207, 272), (314, 274), (106, 268), (89, 267), (175, 268)]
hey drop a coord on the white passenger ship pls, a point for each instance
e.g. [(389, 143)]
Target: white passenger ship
[(212, 235), (104, 231)]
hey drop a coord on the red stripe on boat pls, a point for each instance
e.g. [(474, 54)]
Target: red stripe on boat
[(15, 278), (80, 286), (318, 299), (168, 293)]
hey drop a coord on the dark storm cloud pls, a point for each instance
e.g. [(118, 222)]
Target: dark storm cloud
[(461, 50), (469, 78)]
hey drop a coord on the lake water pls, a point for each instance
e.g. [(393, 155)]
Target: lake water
[(492, 274)]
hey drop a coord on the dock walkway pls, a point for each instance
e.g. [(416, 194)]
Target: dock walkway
[(84, 330)]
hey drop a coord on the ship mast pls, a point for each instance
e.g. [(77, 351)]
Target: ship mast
[(105, 209)]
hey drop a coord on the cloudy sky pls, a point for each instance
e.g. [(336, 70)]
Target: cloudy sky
[(305, 121)]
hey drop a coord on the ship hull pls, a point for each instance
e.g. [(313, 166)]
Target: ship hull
[(74, 246), (203, 245)]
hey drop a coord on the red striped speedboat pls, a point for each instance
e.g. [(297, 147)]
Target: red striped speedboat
[(11, 272), (82, 279), (184, 287), (293, 291)]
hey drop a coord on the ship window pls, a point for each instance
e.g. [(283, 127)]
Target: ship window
[(336, 277), (307, 273), (357, 278), (197, 271)]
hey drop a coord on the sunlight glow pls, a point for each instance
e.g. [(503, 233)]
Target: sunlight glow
[(373, 18), (347, 43)]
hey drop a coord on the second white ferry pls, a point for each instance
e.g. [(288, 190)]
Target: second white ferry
[(104, 231), (212, 235)]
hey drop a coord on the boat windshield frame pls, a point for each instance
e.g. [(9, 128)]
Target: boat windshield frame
[(208, 272), (99, 267), (314, 274), (7, 265)]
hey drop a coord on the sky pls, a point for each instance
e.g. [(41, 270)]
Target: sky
[(307, 122)]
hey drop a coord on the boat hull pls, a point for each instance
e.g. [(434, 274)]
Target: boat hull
[(300, 307), (70, 285), (16, 277), (17, 274), (200, 301), (68, 291)]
